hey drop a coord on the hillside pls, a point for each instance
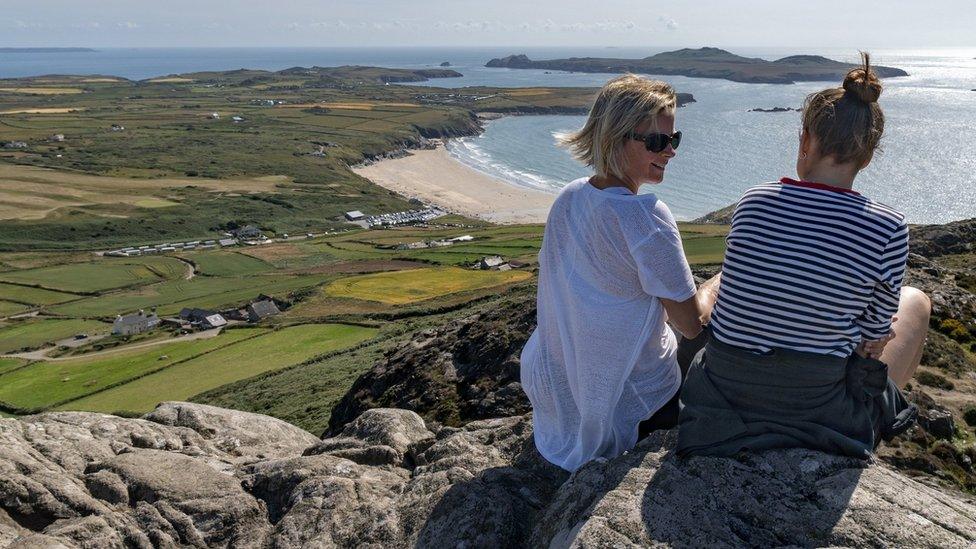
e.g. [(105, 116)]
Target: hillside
[(190, 156), (704, 63)]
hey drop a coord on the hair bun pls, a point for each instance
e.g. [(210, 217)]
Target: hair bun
[(862, 83)]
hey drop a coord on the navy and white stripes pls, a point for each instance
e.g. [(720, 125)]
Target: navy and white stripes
[(811, 268)]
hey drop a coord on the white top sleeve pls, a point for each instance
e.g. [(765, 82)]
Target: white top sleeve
[(662, 268)]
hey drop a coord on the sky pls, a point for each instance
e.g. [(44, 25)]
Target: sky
[(362, 23)]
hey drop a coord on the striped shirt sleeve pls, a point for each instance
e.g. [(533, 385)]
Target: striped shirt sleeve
[(875, 322)]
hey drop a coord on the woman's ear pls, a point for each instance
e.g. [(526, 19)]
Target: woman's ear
[(866, 161), (805, 143)]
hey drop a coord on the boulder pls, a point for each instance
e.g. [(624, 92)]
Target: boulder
[(237, 433), (775, 498), (479, 485)]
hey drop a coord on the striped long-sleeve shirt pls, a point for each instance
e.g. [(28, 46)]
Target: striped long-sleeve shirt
[(809, 267)]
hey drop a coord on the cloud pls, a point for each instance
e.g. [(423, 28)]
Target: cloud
[(128, 25), (668, 23)]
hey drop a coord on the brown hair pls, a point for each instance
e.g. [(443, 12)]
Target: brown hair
[(847, 121), (623, 104)]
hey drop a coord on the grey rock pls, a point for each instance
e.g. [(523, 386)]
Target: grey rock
[(381, 436), (776, 498), (91, 480), (938, 422), (237, 433)]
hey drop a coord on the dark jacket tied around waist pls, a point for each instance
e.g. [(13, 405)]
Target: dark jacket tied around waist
[(735, 400)]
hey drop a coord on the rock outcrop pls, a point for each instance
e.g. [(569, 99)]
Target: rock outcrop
[(189, 475), (460, 372)]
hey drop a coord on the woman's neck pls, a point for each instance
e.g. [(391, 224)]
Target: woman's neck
[(610, 180), (829, 175)]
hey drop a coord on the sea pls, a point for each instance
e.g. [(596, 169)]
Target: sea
[(926, 167)]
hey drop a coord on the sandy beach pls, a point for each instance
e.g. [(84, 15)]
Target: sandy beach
[(434, 176)]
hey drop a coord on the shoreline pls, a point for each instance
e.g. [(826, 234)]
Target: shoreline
[(436, 177)]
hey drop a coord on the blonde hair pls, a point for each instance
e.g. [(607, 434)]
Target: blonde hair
[(622, 105), (847, 121)]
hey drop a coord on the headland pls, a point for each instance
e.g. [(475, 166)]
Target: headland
[(704, 63)]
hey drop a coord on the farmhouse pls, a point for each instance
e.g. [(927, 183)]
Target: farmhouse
[(259, 310), (214, 116), (237, 119), (15, 145), (213, 321), (135, 323), (490, 262), (117, 128), (234, 314), (192, 314), (56, 138)]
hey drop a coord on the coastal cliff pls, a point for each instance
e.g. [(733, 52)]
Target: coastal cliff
[(704, 63)]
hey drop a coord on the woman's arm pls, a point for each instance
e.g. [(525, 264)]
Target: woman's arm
[(689, 315)]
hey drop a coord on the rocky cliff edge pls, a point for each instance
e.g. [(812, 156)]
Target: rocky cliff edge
[(196, 475)]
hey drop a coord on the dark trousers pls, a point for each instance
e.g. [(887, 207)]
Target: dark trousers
[(667, 416)]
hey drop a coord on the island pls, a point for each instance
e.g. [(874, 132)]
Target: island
[(774, 109), (704, 63), (45, 50)]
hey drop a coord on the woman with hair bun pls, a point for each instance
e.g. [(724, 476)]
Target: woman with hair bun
[(801, 350)]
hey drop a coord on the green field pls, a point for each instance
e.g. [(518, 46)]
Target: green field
[(401, 287), (228, 264), (32, 333), (45, 383), (249, 358), (33, 296), (173, 295), (8, 308), (704, 250), (7, 364), (98, 275)]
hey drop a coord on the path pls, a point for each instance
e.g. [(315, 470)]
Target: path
[(41, 354)]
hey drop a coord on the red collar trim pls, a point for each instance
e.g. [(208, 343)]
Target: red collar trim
[(820, 186)]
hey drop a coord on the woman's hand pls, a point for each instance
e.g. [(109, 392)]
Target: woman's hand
[(873, 348)]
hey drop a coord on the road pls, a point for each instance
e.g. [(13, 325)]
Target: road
[(41, 354)]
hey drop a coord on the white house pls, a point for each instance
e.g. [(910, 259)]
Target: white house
[(135, 323)]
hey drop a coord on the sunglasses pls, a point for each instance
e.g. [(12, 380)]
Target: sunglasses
[(657, 142)]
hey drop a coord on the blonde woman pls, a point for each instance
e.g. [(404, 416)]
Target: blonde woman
[(612, 272)]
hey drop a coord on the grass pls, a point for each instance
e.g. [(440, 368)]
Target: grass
[(228, 264), (302, 396), (704, 250), (42, 91), (7, 364), (33, 296), (249, 358), (400, 287), (46, 383), (98, 275), (169, 297), (8, 308), (32, 333)]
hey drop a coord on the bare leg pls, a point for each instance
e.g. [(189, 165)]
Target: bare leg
[(903, 354)]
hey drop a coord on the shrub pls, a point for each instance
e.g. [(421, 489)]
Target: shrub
[(970, 416), (934, 380), (956, 330)]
